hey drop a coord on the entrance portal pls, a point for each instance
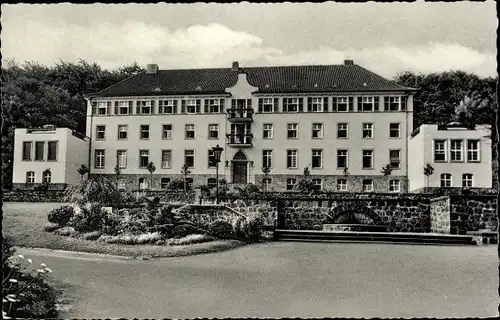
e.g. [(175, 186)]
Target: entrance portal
[(240, 168)]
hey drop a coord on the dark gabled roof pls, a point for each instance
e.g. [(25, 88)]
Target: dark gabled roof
[(285, 79)]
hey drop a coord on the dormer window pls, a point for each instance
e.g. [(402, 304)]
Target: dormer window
[(291, 104), (123, 107), (368, 104), (317, 104), (191, 106), (144, 107)]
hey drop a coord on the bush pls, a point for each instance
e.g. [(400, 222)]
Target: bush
[(95, 190), (221, 229), (184, 229), (189, 239), (249, 229), (65, 231), (61, 215), (150, 237), (88, 218), (178, 185), (94, 235), (50, 227)]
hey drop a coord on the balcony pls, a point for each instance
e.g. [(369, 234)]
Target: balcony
[(240, 114), (239, 140)]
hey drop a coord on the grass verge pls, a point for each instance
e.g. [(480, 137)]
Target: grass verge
[(24, 222)]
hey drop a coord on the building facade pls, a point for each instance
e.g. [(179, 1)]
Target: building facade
[(343, 122), (48, 155), (461, 158)]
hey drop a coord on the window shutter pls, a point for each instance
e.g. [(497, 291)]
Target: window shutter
[(276, 105), (221, 105), (138, 107), (206, 106), (153, 106), (130, 107), (301, 104), (249, 103), (94, 107), (175, 106), (183, 106), (198, 105), (160, 107), (285, 105), (233, 103), (376, 103), (334, 104), (403, 103), (386, 103), (325, 104), (359, 103), (116, 107), (351, 103), (261, 102), (108, 109), (309, 104)]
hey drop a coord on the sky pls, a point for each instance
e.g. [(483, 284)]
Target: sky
[(386, 38)]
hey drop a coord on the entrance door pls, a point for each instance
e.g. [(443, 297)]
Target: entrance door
[(240, 172)]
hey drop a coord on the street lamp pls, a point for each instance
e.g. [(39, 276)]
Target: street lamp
[(217, 152)]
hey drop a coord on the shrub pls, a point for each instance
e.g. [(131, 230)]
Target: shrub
[(94, 235), (88, 218), (65, 231), (160, 242), (50, 227), (148, 237), (61, 215), (221, 229), (249, 229), (189, 239), (184, 229), (95, 190), (177, 184)]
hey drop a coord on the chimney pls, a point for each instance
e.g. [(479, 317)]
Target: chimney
[(349, 62), (151, 68), (236, 66)]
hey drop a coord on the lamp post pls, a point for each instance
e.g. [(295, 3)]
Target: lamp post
[(217, 152)]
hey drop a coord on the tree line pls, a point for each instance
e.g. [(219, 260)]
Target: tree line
[(34, 95)]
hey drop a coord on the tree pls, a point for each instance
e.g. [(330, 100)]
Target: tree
[(83, 170), (151, 168), (387, 170), (185, 172), (118, 173), (428, 171), (265, 171)]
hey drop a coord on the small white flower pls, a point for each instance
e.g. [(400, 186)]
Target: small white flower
[(20, 256), (13, 280), (4, 300), (43, 265), (30, 261), (41, 271), (48, 270)]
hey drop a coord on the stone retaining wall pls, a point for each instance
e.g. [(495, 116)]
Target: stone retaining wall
[(440, 215)]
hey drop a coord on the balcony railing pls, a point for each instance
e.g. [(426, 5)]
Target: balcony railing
[(240, 114), (239, 139)]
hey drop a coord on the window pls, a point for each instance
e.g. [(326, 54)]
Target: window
[(123, 107), (27, 150), (367, 103), (267, 131), (342, 104), (144, 107), (266, 184), (393, 103), (317, 184), (143, 183), (122, 184), (267, 158), (211, 159), (291, 159), (456, 150), (342, 161), (143, 158), (191, 106), (166, 159), (317, 105), (367, 130), (122, 132), (164, 183), (39, 150), (189, 158), (445, 180), (213, 131), (367, 159), (317, 131), (121, 158), (394, 186), (52, 152), (341, 185), (166, 107), (394, 159), (102, 108), (190, 131), (211, 183), (213, 105), (290, 183), (145, 131), (467, 180), (166, 132), (47, 176), (267, 105), (342, 130), (394, 130), (473, 150), (99, 158), (439, 150), (317, 159), (290, 104), (367, 185), (30, 177), (100, 133), (292, 131)]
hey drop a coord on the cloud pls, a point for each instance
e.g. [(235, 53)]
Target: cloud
[(215, 45)]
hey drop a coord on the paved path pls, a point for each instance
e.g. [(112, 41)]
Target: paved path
[(283, 279)]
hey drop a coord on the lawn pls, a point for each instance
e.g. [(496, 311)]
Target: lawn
[(23, 222)]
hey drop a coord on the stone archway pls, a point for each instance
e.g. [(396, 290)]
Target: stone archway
[(240, 167), (353, 213)]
